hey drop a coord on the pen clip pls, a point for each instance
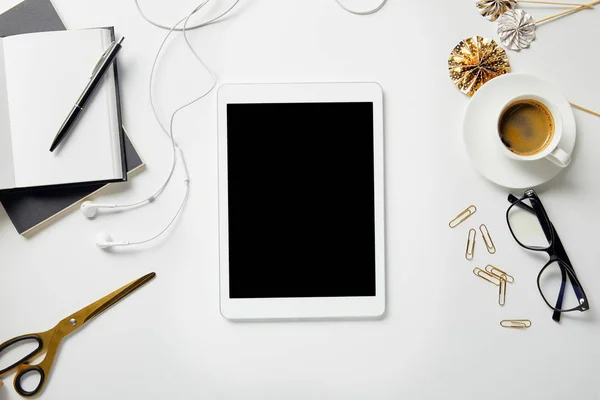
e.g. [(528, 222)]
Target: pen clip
[(104, 55), (102, 58)]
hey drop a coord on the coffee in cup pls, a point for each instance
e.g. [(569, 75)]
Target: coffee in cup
[(530, 128), (526, 127)]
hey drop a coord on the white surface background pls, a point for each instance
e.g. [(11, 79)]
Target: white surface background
[(440, 337)]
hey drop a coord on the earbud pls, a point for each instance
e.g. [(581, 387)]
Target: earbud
[(90, 209), (105, 241)]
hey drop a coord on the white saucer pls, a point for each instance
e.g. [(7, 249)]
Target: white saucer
[(480, 131)]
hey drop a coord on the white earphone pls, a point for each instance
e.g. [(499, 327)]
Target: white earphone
[(90, 209), (105, 241)]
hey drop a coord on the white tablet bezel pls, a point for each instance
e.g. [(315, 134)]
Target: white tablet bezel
[(311, 307)]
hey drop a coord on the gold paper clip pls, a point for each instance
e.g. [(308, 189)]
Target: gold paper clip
[(470, 251), (487, 238), (502, 292), (460, 218), (515, 323), (484, 275), (499, 273)]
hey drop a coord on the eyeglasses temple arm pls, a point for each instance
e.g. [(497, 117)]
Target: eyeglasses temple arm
[(576, 288), (575, 283), (561, 294)]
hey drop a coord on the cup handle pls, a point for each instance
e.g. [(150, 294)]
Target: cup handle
[(559, 157)]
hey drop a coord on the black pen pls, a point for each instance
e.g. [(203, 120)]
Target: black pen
[(101, 68)]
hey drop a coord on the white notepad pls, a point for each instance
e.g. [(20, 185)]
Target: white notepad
[(41, 77)]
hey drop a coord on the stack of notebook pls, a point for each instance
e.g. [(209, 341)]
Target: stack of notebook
[(37, 89)]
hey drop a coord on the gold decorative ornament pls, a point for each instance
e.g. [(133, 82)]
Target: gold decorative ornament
[(474, 62), (493, 9)]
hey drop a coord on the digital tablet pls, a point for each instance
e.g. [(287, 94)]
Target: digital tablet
[(301, 201)]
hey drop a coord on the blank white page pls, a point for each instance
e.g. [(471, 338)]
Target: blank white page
[(7, 168), (46, 73)]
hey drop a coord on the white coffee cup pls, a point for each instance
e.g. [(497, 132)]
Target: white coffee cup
[(552, 151)]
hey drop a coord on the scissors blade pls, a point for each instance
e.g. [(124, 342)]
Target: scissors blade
[(98, 307)]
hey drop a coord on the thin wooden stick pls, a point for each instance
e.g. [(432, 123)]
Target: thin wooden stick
[(565, 13), (554, 3), (585, 110)]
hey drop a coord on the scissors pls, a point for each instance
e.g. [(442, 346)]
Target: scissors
[(48, 342)]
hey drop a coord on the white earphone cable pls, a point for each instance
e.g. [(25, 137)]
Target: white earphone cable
[(185, 197), (365, 12), (184, 29), (169, 131), (189, 28)]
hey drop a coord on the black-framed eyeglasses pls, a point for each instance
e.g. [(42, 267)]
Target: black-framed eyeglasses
[(557, 282)]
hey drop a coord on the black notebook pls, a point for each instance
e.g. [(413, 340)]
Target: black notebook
[(31, 209)]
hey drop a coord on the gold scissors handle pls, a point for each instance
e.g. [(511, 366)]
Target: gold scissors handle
[(23, 367)]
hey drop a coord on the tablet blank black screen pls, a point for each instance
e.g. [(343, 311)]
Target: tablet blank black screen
[(301, 200)]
